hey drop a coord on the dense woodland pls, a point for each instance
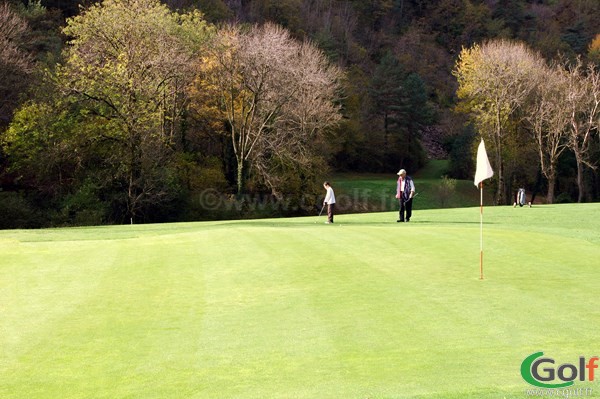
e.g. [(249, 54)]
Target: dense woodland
[(131, 111)]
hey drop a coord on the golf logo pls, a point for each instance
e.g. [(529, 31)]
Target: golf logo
[(540, 371)]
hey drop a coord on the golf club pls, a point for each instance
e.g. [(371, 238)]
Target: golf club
[(411, 198), (323, 207)]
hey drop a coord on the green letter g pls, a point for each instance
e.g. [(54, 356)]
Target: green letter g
[(527, 375)]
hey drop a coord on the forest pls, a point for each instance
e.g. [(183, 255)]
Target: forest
[(138, 111)]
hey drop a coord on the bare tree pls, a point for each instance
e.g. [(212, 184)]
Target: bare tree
[(274, 92), (549, 119), (310, 108), (583, 104)]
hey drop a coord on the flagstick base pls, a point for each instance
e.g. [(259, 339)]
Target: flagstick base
[(481, 265)]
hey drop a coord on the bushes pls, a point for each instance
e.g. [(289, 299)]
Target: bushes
[(563, 198), (446, 190), (82, 208), (17, 212)]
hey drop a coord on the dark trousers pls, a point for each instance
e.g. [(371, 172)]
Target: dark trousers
[(405, 206), (330, 208)]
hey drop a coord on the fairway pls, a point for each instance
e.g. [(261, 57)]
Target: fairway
[(291, 308)]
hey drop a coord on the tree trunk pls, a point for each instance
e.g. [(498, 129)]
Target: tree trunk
[(130, 198), (580, 182), (500, 190), (551, 185), (135, 172), (240, 176)]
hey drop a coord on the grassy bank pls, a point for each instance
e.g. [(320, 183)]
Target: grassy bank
[(375, 192)]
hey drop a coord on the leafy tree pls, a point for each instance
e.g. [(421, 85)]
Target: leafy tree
[(128, 63), (16, 212), (373, 12), (459, 23), (214, 10), (282, 12), (417, 113), (459, 152), (387, 93), (38, 146), (386, 102), (418, 51), (575, 36), (495, 80), (511, 15), (477, 16), (352, 148), (401, 101), (43, 39), (68, 8)]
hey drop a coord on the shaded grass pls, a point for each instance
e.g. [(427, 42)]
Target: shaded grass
[(286, 308)]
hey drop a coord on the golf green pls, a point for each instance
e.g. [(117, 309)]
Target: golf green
[(294, 308)]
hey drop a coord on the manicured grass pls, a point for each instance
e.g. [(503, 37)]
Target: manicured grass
[(290, 308)]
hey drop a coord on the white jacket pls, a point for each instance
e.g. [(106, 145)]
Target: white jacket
[(330, 197)]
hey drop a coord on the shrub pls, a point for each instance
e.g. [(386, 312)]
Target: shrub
[(446, 190), (16, 212), (563, 198)]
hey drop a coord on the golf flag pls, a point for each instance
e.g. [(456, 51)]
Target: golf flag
[(484, 169)]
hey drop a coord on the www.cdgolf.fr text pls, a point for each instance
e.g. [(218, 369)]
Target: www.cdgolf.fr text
[(561, 393)]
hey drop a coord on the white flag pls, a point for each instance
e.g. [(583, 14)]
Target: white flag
[(484, 169)]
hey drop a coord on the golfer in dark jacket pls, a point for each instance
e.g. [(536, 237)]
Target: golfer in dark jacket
[(405, 191)]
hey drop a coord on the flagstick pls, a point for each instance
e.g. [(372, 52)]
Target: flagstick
[(482, 172), (481, 232)]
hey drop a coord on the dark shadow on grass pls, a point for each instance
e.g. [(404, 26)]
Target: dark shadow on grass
[(276, 224), (304, 221), (447, 222), (414, 222)]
